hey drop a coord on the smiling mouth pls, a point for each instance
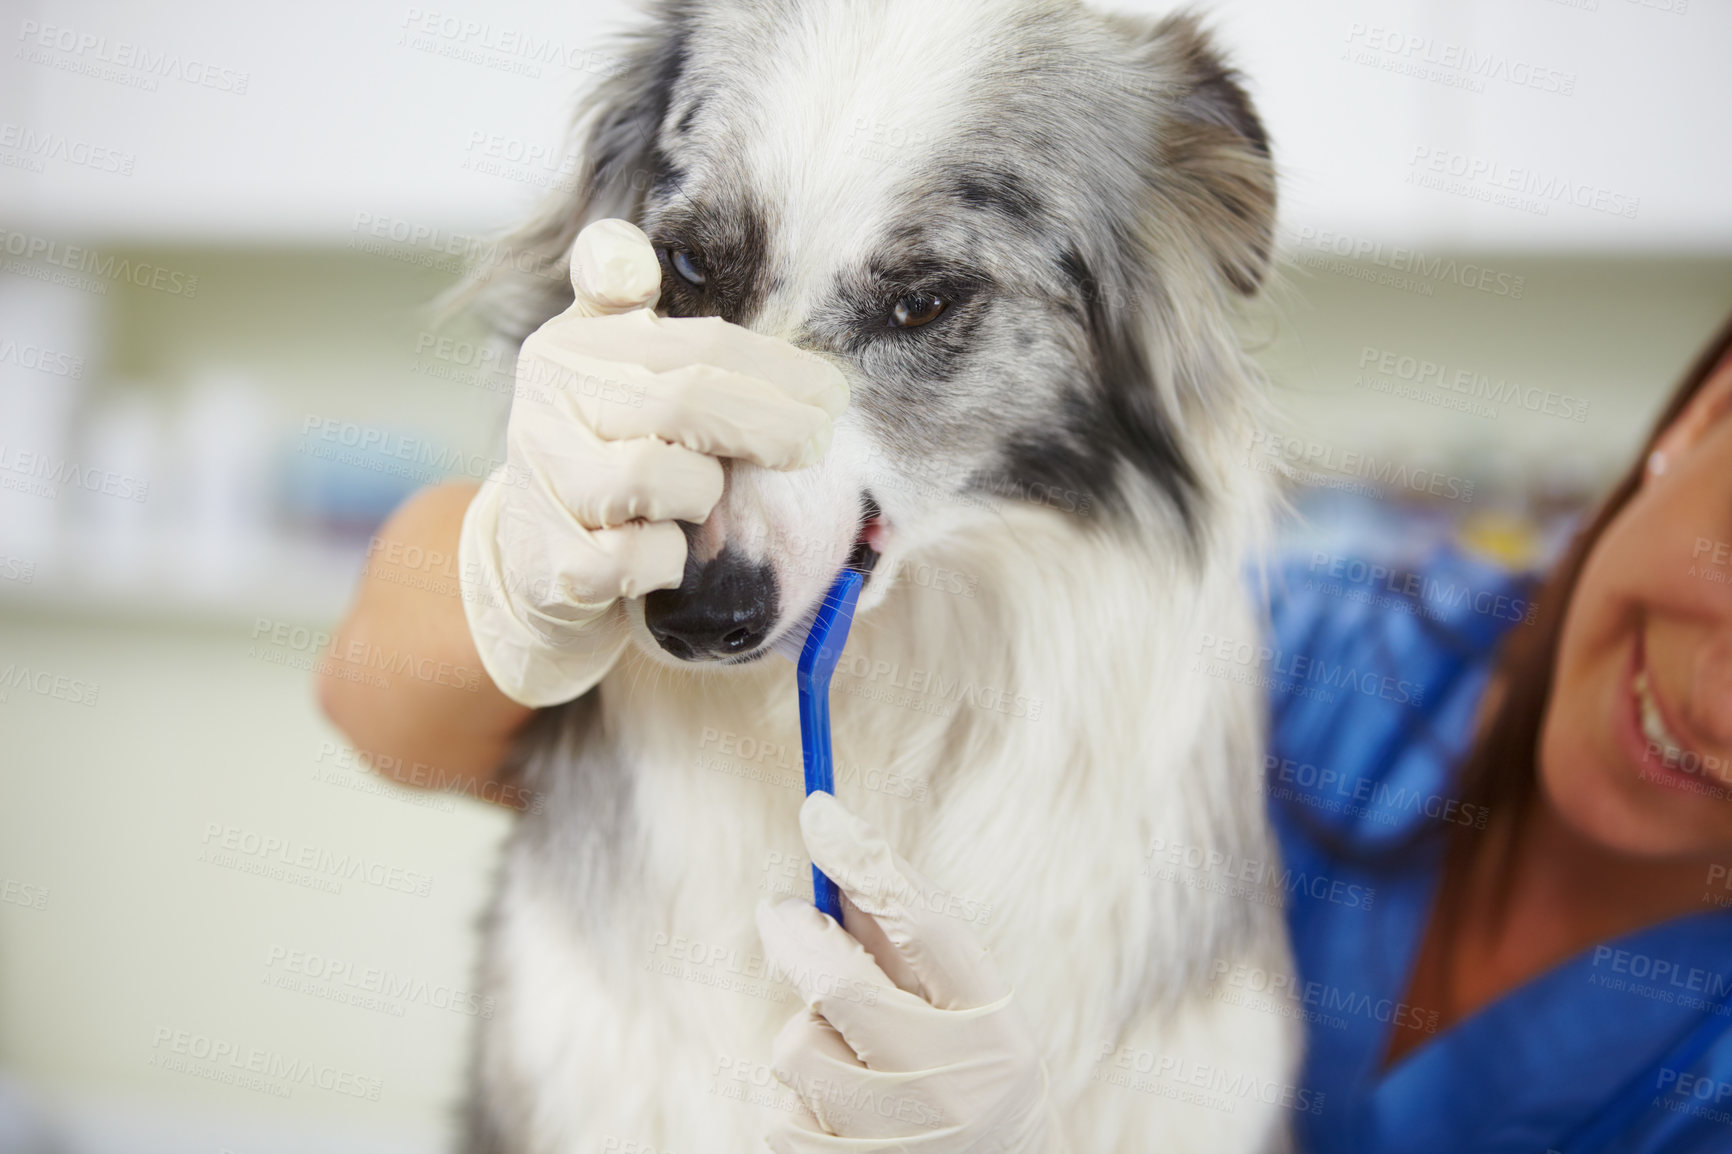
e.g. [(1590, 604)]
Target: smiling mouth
[(1656, 725), (1653, 721)]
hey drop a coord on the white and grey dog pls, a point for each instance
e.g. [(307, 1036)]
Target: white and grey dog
[(1022, 228)]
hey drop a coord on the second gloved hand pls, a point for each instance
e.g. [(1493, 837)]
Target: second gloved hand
[(617, 422), (918, 1045)]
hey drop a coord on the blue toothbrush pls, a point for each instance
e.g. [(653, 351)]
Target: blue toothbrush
[(815, 652)]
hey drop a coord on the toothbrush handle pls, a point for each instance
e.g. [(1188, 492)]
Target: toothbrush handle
[(817, 663), (820, 777), (826, 896)]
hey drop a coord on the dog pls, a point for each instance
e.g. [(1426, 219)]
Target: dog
[(1023, 229)]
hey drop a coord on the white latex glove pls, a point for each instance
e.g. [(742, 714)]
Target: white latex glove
[(617, 423), (915, 1046)]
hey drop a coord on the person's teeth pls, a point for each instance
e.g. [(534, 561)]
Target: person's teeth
[(1653, 724)]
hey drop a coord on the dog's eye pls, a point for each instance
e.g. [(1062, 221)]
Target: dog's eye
[(917, 309), (687, 266)]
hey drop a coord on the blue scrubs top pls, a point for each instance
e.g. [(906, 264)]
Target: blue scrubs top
[(1375, 675)]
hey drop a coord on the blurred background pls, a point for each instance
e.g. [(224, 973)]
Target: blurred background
[(1507, 230)]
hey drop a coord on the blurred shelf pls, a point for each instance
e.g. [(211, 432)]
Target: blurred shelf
[(172, 578)]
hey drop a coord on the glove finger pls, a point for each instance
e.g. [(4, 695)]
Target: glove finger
[(613, 269), (802, 1133), (583, 571), (811, 1058), (522, 659), (608, 483), (810, 1054), (864, 928), (953, 967), (661, 344), (839, 980), (802, 375), (722, 413), (707, 409)]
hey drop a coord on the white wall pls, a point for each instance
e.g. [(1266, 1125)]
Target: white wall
[(377, 108)]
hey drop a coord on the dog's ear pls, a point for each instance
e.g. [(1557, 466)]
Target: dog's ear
[(1212, 158), (623, 117), (523, 279)]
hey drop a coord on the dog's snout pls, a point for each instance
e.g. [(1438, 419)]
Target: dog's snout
[(723, 608)]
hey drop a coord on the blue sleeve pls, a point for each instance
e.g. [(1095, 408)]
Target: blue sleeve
[(1374, 672)]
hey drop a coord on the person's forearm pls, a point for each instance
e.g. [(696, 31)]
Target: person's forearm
[(403, 680)]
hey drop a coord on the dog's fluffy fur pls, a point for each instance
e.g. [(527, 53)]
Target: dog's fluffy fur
[(1063, 521)]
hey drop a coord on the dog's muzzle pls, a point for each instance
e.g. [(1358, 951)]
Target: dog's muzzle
[(724, 607), (727, 607)]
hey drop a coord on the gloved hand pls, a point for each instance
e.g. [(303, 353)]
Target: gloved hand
[(917, 1045), (617, 423)]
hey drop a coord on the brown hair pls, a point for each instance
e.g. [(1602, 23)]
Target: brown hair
[(1501, 771)]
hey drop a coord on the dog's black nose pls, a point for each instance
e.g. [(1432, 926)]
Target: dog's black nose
[(722, 608)]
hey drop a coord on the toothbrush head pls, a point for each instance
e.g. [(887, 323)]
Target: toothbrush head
[(814, 643)]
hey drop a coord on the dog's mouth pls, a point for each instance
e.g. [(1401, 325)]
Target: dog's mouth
[(869, 541)]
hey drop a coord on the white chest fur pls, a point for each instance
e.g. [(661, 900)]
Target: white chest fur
[(1023, 745)]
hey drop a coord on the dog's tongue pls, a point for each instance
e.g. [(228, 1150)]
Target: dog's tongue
[(876, 534)]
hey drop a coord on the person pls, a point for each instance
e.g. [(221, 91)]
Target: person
[(1504, 806), (1513, 823)]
